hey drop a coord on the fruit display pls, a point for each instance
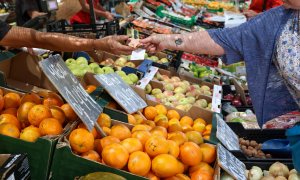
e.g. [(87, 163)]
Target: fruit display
[(29, 116), (101, 175), (236, 100), (201, 71), (165, 146), (253, 149)]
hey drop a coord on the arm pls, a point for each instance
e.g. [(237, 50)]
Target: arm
[(24, 37), (198, 42)]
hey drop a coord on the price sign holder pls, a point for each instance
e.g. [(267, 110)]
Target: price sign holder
[(216, 99), (69, 87), (121, 92), (230, 163), (226, 135), (148, 77)]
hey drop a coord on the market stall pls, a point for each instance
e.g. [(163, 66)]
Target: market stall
[(165, 115)]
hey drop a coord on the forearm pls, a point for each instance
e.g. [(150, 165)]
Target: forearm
[(23, 37), (198, 42)]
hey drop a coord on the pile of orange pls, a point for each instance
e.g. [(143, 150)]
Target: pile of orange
[(149, 151), (29, 117)]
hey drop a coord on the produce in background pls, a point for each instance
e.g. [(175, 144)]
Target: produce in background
[(201, 71), (80, 66), (101, 175), (152, 58), (253, 149), (149, 149), (236, 100), (33, 117), (180, 94)]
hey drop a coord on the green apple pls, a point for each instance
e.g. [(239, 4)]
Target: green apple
[(70, 61), (148, 89), (133, 77), (154, 58), (146, 56), (164, 60), (93, 65), (98, 70), (121, 61), (108, 70), (121, 73), (81, 60), (127, 80), (130, 64)]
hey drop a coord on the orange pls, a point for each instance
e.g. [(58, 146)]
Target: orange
[(161, 120), (206, 137), (91, 155), (81, 140), (200, 120), (94, 131), (143, 136), (8, 118), (206, 133), (112, 105), (139, 119), (120, 131), (22, 113), (132, 145), (12, 111), (139, 163), (53, 100), (208, 127), (149, 123), (190, 154), (160, 131), (69, 112), (131, 119), (179, 137), (37, 113), (209, 152), (115, 155), (201, 175), (202, 166), (31, 97), (178, 177), (105, 142), (90, 88), (161, 109), (151, 176), (50, 126), (174, 128), (186, 120), (104, 120), (1, 102), (199, 127), (173, 121), (9, 130), (30, 134), (97, 146), (141, 127), (156, 145), (58, 114), (186, 128), (12, 100), (1, 92), (150, 112), (194, 136), (165, 165), (173, 148), (173, 114), (106, 130)]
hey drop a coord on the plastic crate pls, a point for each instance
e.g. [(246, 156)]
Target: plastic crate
[(84, 30)]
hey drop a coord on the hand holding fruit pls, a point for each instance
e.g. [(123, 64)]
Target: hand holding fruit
[(113, 44)]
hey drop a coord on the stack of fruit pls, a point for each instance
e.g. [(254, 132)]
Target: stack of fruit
[(201, 71), (118, 63), (148, 150), (30, 117), (153, 58)]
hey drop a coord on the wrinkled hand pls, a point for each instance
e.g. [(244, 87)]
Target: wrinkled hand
[(113, 44), (156, 43), (109, 16), (250, 14)]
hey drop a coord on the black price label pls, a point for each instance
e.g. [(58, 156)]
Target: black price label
[(69, 87), (127, 98)]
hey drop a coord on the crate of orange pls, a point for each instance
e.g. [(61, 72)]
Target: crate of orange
[(166, 145), (31, 124)]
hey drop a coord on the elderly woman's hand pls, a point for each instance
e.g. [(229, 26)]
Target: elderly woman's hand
[(113, 44)]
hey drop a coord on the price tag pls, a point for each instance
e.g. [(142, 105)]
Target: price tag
[(216, 99), (231, 164), (225, 134), (127, 98), (138, 54), (148, 77), (69, 87)]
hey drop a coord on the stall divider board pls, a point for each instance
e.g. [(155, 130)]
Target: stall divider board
[(69, 87), (230, 163), (226, 135), (216, 99), (121, 92)]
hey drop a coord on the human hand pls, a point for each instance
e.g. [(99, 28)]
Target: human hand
[(250, 14), (109, 16), (156, 43), (113, 44)]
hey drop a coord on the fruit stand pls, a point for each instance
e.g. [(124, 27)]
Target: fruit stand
[(169, 115)]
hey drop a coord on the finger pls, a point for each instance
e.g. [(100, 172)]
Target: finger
[(124, 48), (122, 38), (147, 40)]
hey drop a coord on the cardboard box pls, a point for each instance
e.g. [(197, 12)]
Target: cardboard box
[(39, 152), (14, 166), (67, 165), (23, 73)]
